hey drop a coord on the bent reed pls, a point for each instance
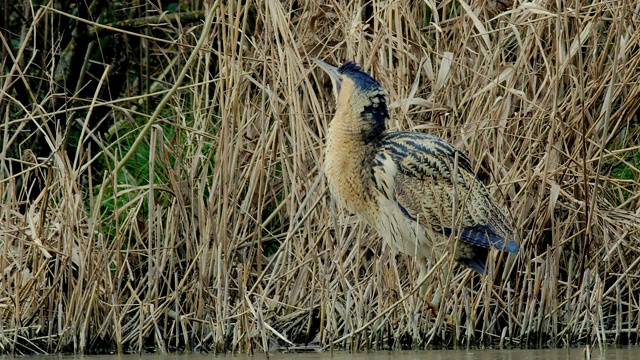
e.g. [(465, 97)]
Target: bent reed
[(188, 209)]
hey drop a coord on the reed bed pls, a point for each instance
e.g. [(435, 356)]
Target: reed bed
[(187, 210)]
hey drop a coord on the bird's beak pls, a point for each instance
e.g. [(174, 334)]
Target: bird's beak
[(333, 74)]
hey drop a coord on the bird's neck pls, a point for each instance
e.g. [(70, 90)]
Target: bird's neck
[(355, 132), (361, 118), (352, 144)]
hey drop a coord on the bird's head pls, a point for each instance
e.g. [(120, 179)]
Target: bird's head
[(359, 94)]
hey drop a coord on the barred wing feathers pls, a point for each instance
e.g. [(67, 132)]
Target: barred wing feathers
[(431, 176)]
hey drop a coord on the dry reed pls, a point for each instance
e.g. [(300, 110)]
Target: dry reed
[(230, 242)]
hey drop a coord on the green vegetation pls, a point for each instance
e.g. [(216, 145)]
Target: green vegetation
[(218, 233)]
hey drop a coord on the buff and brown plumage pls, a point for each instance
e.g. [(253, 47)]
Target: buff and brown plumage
[(415, 189)]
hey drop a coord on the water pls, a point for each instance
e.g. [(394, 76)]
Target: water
[(547, 354)]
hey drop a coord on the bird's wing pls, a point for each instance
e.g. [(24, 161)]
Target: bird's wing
[(434, 184)]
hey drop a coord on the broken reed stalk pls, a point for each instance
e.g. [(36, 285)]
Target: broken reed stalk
[(228, 241)]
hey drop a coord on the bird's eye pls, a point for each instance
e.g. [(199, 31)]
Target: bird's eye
[(340, 78)]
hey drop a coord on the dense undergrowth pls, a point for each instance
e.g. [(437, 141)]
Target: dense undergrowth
[(161, 180)]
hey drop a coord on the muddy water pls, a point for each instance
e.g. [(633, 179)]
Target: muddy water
[(560, 354), (555, 354)]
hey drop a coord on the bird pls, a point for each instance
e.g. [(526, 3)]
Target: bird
[(415, 189)]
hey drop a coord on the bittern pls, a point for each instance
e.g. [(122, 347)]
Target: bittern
[(417, 190)]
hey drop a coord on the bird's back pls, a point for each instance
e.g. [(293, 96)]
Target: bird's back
[(427, 191)]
